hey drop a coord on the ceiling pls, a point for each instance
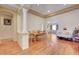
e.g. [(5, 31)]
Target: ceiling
[(14, 6), (48, 8), (40, 9)]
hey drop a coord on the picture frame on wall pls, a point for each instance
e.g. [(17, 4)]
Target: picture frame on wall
[(7, 21)]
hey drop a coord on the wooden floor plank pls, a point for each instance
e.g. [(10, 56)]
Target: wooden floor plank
[(40, 48)]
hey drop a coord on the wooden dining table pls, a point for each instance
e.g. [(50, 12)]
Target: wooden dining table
[(37, 35)]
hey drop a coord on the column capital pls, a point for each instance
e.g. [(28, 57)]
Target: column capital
[(21, 6)]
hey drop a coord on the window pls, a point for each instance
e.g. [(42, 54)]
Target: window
[(55, 27)]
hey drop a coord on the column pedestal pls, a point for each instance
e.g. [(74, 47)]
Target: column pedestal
[(23, 40)]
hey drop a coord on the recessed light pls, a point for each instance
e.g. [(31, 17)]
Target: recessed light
[(48, 22), (48, 10), (64, 4)]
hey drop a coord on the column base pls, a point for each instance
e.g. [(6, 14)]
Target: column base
[(23, 40)]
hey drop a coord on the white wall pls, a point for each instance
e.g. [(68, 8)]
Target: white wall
[(6, 31), (9, 32), (69, 20), (35, 22)]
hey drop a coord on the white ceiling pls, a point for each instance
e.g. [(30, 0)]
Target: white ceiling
[(41, 8), (14, 6), (48, 8), (9, 6)]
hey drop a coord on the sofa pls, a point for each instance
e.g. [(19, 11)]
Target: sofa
[(67, 35)]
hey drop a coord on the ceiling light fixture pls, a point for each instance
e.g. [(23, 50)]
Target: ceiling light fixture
[(48, 10), (48, 22), (64, 4)]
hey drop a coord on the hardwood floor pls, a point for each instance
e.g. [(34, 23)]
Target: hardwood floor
[(62, 47), (39, 48), (9, 47), (69, 47)]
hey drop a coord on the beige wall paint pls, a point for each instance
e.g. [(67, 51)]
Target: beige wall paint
[(69, 20), (4, 32), (35, 22), (8, 32)]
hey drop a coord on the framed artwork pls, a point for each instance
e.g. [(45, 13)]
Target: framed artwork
[(7, 21)]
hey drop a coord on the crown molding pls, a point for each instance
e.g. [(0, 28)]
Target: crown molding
[(65, 10), (36, 13), (3, 9)]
